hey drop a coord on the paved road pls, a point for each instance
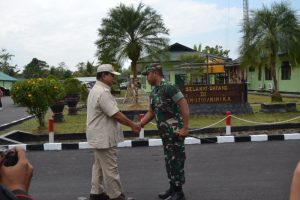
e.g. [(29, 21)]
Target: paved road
[(10, 111), (237, 171)]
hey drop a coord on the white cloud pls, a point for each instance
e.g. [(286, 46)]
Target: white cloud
[(66, 30)]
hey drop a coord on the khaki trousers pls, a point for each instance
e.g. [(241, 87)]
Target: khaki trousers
[(105, 174)]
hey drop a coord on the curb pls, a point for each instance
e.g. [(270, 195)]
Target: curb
[(7, 125), (158, 142)]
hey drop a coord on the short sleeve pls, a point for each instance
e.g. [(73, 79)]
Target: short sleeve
[(174, 93), (107, 104)]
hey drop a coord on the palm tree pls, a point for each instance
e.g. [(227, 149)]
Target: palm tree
[(269, 34), (128, 33)]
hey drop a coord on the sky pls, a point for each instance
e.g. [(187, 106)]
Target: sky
[(66, 30)]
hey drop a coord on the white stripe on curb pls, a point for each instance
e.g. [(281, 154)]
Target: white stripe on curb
[(23, 146), (190, 140), (52, 146), (259, 138), (155, 142), (292, 136), (225, 139), (84, 145), (126, 143)]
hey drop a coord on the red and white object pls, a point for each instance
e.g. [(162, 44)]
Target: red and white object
[(51, 130), (228, 123)]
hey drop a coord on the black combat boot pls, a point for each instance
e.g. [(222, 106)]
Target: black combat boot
[(178, 194), (168, 193), (102, 196)]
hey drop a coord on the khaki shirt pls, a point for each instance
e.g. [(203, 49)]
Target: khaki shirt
[(103, 131)]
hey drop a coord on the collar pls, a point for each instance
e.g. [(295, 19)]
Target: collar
[(162, 82), (102, 84)]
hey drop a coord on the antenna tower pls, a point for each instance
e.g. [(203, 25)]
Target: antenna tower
[(246, 12)]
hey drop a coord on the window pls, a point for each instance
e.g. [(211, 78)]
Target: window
[(268, 75), (259, 73), (285, 70)]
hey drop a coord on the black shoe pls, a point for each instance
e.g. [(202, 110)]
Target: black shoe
[(178, 196), (166, 194), (102, 196)]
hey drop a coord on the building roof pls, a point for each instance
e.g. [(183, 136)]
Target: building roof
[(176, 47), (5, 77), (175, 51), (86, 79)]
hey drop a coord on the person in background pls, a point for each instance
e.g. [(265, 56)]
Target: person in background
[(104, 133), (171, 112), (1, 95), (295, 186), (15, 180)]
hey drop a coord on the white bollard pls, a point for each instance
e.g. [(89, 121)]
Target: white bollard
[(228, 123), (142, 131)]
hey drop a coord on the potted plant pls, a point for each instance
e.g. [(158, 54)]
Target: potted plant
[(38, 95), (73, 89), (57, 107)]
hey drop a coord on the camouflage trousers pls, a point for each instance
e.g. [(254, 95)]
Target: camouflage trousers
[(174, 152)]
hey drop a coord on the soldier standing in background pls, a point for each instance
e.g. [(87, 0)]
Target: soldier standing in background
[(1, 94)]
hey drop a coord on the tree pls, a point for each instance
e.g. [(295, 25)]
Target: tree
[(61, 72), (90, 69), (87, 69), (198, 48), (269, 33), (217, 50), (193, 59), (37, 95), (5, 67), (80, 66), (128, 33), (36, 69)]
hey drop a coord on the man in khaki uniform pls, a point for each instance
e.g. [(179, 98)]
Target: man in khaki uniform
[(104, 133)]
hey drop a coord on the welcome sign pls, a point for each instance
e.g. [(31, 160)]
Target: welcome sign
[(218, 93)]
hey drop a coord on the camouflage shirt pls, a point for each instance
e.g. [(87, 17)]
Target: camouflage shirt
[(163, 100)]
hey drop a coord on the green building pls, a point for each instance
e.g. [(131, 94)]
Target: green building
[(288, 78), (211, 69), (6, 81)]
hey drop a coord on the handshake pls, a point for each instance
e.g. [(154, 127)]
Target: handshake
[(136, 127)]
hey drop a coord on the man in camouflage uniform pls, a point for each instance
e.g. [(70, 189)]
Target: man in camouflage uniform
[(170, 110)]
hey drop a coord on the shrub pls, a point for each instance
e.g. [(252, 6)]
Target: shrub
[(37, 95), (72, 86), (276, 97), (84, 92)]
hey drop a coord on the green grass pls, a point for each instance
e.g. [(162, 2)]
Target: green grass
[(77, 123), (254, 99), (72, 124)]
